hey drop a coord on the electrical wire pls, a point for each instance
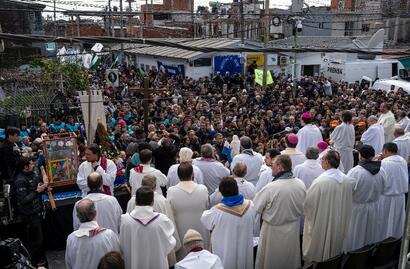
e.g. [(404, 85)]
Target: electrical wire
[(164, 43)]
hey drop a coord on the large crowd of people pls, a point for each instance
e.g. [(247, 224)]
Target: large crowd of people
[(304, 173)]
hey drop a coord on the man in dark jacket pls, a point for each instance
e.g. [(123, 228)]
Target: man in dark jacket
[(9, 154), (28, 189)]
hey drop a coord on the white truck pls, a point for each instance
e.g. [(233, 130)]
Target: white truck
[(355, 70)]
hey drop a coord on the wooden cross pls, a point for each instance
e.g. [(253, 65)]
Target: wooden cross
[(146, 91)]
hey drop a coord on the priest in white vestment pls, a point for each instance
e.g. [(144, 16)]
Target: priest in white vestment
[(107, 206), (188, 200), (138, 173), (367, 180), (96, 163), (281, 205), (388, 122), (309, 135), (87, 245), (146, 236), (212, 170), (185, 155), (266, 175), (323, 149), (327, 210), (343, 137), (309, 169), (392, 201), (403, 143), (161, 205), (246, 188), (197, 257), (374, 135), (402, 119), (252, 159), (232, 224), (296, 156)]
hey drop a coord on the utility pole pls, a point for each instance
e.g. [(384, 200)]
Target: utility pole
[(78, 25), (265, 55), (242, 23), (121, 23), (55, 19), (109, 19), (295, 81), (121, 32), (193, 18)]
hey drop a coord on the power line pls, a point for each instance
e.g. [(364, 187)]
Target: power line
[(164, 43)]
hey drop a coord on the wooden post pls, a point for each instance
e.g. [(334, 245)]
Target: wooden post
[(146, 91), (146, 96)]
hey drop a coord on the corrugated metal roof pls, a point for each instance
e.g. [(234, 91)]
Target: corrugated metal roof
[(166, 52), (170, 52)]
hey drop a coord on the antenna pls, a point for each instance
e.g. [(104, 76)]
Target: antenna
[(375, 44)]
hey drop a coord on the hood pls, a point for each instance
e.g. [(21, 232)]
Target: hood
[(372, 166)]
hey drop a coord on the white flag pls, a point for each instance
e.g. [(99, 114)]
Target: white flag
[(97, 47), (87, 59)]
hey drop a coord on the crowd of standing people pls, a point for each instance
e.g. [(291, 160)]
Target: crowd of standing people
[(225, 166)]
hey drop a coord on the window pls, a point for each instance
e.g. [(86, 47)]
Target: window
[(203, 62), (321, 25), (365, 27), (349, 28)]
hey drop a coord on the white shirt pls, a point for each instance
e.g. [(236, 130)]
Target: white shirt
[(173, 178), (374, 136), (200, 260), (308, 171), (84, 251), (245, 188), (253, 165), (403, 146), (108, 211), (146, 238), (108, 176), (295, 156), (309, 136), (388, 122), (265, 178), (213, 172), (397, 175), (136, 178)]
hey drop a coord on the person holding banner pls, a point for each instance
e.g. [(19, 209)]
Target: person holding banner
[(96, 163)]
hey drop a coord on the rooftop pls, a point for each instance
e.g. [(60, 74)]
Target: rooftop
[(170, 52)]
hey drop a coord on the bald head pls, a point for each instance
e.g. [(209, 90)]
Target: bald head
[(149, 181), (398, 132), (94, 181), (86, 210), (239, 170)]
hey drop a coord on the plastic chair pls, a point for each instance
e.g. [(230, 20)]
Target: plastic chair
[(360, 258), (385, 254), (332, 263)]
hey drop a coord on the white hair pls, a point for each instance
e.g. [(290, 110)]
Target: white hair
[(185, 154)]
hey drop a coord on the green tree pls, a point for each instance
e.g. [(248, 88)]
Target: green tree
[(74, 79)]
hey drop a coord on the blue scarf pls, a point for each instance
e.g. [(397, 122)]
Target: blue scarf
[(233, 200)]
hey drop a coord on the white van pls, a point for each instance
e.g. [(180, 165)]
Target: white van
[(386, 85)]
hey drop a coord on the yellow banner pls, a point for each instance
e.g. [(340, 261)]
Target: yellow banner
[(260, 60), (259, 77)]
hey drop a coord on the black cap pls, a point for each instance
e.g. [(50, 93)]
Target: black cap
[(366, 151)]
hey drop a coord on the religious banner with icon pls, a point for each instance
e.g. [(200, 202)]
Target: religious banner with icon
[(61, 156)]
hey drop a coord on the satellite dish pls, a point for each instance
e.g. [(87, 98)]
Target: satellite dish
[(376, 41), (375, 44)]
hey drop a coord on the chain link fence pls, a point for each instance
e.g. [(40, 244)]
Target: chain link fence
[(25, 97)]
